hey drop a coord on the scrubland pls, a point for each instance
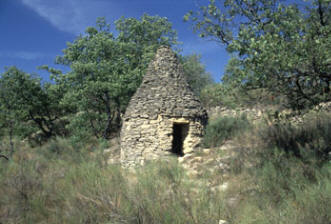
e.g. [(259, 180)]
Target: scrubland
[(279, 173)]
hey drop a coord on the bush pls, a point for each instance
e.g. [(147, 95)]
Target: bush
[(284, 175), (59, 189), (223, 129), (283, 189), (59, 183), (232, 97), (311, 137)]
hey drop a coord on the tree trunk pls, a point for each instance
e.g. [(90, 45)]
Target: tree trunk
[(11, 138), (107, 130)]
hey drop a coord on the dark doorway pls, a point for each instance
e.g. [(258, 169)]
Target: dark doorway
[(179, 134)]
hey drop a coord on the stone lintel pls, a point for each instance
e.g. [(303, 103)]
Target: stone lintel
[(180, 120)]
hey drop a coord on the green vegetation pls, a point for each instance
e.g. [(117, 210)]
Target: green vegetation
[(61, 183), (73, 187), (53, 167), (311, 138), (87, 102), (224, 128), (275, 185), (106, 70), (195, 73), (232, 97), (29, 107), (283, 47), (283, 189), (278, 185)]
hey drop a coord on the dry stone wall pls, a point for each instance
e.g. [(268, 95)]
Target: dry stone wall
[(253, 114), (163, 100), (257, 114), (144, 139), (164, 90)]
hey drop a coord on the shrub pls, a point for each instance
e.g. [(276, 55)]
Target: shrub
[(58, 183), (311, 137), (232, 97), (285, 177), (281, 188), (164, 194), (223, 129), (59, 189)]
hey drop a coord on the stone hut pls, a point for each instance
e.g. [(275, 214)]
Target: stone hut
[(164, 116)]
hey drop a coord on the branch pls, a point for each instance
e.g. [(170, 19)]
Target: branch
[(321, 13), (3, 156), (39, 122), (302, 93)]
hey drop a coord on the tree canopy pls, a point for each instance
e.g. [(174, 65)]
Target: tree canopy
[(195, 73), (27, 105), (107, 69), (284, 47)]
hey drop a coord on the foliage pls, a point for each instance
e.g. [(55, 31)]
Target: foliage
[(232, 93), (284, 47), (59, 184), (62, 189), (283, 189), (224, 128), (220, 94), (88, 101), (230, 96), (271, 183), (195, 73), (106, 70), (309, 139), (27, 105), (212, 95)]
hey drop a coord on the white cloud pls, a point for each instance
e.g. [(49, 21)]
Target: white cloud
[(72, 16), (26, 55)]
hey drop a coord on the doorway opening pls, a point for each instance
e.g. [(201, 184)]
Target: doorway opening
[(180, 132)]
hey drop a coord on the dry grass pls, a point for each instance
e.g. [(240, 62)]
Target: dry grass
[(60, 183), (75, 188)]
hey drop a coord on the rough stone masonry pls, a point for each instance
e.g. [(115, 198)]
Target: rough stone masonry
[(164, 117)]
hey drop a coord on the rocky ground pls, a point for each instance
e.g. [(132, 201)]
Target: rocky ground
[(210, 162), (206, 167)]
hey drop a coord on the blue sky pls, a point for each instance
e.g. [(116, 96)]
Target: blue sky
[(33, 32)]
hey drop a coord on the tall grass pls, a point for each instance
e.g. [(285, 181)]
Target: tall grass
[(71, 188), (283, 190), (62, 183), (224, 128), (288, 179), (310, 138)]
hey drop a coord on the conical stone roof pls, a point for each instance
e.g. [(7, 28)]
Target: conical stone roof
[(164, 90)]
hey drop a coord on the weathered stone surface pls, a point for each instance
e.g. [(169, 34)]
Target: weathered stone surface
[(163, 99), (222, 222)]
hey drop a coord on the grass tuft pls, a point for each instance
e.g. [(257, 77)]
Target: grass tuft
[(224, 128)]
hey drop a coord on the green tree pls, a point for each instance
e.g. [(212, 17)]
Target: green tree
[(195, 73), (145, 36), (8, 112), (212, 95), (27, 106), (284, 47), (107, 69)]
